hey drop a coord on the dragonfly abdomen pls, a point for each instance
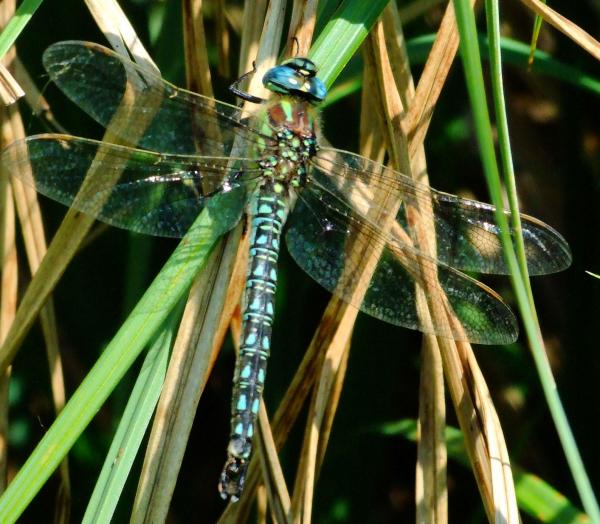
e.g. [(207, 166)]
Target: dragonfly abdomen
[(269, 211)]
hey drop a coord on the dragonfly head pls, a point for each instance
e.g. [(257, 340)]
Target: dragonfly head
[(296, 77)]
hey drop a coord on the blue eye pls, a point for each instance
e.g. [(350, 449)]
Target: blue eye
[(296, 77)]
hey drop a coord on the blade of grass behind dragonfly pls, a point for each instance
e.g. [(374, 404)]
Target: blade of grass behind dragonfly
[(8, 290), (132, 426), (342, 35), (197, 342), (467, 387), (526, 304), (331, 374), (431, 493), (34, 239), (25, 200), (396, 96)]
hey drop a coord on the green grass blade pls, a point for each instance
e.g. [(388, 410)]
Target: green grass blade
[(342, 36), (132, 427), (515, 53), (16, 24), (537, 26), (483, 129), (508, 172), (162, 296)]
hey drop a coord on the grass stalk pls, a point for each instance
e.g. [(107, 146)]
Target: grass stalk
[(475, 86)]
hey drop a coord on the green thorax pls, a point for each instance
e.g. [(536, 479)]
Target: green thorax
[(293, 124)]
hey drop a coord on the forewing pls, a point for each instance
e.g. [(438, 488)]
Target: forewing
[(467, 237), (139, 190), (173, 120)]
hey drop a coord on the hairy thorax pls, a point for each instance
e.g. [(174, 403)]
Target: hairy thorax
[(292, 123)]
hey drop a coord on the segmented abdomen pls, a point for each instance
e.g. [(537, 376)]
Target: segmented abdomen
[(269, 212)]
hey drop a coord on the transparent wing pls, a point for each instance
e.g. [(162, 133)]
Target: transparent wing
[(151, 193), (467, 236), (106, 85), (333, 244)]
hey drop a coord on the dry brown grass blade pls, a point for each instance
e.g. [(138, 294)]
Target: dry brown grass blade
[(199, 339), (431, 490), (35, 247), (8, 251), (201, 331), (431, 494), (565, 26), (276, 488), (335, 394), (337, 329), (8, 297), (223, 41), (197, 70), (252, 23), (465, 382), (117, 29), (302, 27), (432, 81), (268, 47), (324, 402), (10, 90)]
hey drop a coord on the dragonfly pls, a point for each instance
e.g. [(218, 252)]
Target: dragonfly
[(180, 153)]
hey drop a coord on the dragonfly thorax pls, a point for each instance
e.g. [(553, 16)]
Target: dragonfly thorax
[(291, 124)]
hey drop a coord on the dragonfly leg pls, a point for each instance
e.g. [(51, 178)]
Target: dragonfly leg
[(234, 88)]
